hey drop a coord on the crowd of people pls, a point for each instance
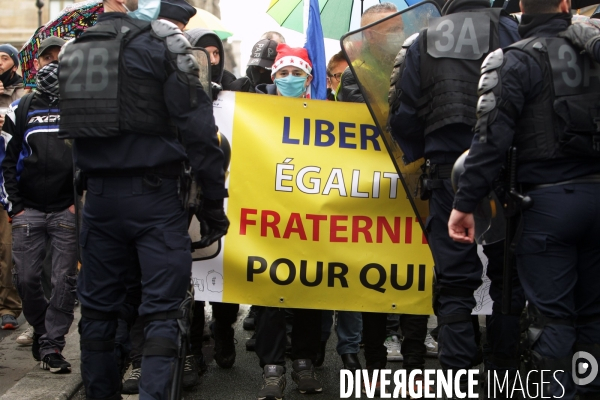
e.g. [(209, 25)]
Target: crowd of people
[(124, 140)]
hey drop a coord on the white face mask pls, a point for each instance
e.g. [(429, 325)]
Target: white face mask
[(147, 10)]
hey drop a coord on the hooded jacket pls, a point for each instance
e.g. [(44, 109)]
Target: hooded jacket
[(218, 73)]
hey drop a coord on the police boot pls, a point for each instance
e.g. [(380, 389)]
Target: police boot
[(224, 345)]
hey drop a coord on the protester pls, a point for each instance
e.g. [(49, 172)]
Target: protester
[(549, 119), (291, 76), (258, 71), (335, 67), (38, 175), (224, 314), (11, 89)]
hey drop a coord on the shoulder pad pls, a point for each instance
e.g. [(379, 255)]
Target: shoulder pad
[(493, 61), (485, 104), (164, 28), (188, 64), (178, 44), (487, 82), (411, 39)]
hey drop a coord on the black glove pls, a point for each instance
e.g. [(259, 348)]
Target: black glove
[(213, 222), (215, 89), (582, 35)]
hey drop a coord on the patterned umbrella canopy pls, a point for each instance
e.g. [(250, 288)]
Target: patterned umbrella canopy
[(337, 16), (71, 23)]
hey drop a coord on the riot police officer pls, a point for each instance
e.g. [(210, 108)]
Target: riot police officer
[(136, 109), (433, 116), (542, 97)]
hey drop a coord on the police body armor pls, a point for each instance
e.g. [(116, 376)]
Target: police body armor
[(100, 98), (452, 50), (564, 120)]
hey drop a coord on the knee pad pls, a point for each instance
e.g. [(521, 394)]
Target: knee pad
[(104, 344)]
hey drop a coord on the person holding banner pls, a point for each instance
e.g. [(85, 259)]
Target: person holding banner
[(435, 114), (291, 75)]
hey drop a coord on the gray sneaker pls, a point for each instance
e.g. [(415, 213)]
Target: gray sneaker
[(303, 374), (9, 322), (273, 383), (132, 383), (393, 348), (431, 345)]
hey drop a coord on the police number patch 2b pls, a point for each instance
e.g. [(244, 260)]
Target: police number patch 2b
[(464, 36)]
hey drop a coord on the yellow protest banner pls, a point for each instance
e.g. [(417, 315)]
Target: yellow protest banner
[(319, 218)]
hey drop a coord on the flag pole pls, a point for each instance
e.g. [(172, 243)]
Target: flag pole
[(362, 5)]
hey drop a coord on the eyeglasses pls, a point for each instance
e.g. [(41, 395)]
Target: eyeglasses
[(337, 76)]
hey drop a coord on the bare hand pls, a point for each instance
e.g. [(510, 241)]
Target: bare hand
[(20, 213), (72, 208), (1, 120), (461, 227), (1, 88)]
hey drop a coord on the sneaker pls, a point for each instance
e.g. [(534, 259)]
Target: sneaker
[(273, 383), (393, 348), (56, 363), (9, 322), (250, 320), (132, 383), (431, 346), (35, 347), (303, 374), (251, 343), (26, 338), (224, 346), (190, 372)]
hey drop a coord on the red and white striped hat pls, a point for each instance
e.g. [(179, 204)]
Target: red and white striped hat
[(291, 56)]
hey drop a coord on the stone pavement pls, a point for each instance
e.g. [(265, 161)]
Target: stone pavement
[(22, 379)]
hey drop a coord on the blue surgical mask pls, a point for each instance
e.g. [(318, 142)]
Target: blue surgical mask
[(147, 10), (291, 86)]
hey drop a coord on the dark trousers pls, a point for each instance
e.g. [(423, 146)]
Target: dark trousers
[(374, 334), (271, 335), (503, 331), (224, 314), (122, 214), (458, 269), (558, 259), (414, 331)]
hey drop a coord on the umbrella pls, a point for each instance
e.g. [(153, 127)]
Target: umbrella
[(337, 16), (512, 6), (206, 20), (71, 22)]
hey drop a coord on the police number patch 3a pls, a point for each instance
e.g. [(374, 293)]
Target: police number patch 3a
[(573, 73), (464, 36)]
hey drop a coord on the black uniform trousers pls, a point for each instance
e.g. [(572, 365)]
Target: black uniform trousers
[(457, 266), (558, 259), (121, 213), (503, 331)]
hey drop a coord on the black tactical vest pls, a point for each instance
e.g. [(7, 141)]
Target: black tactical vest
[(452, 50), (98, 96), (564, 120)]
